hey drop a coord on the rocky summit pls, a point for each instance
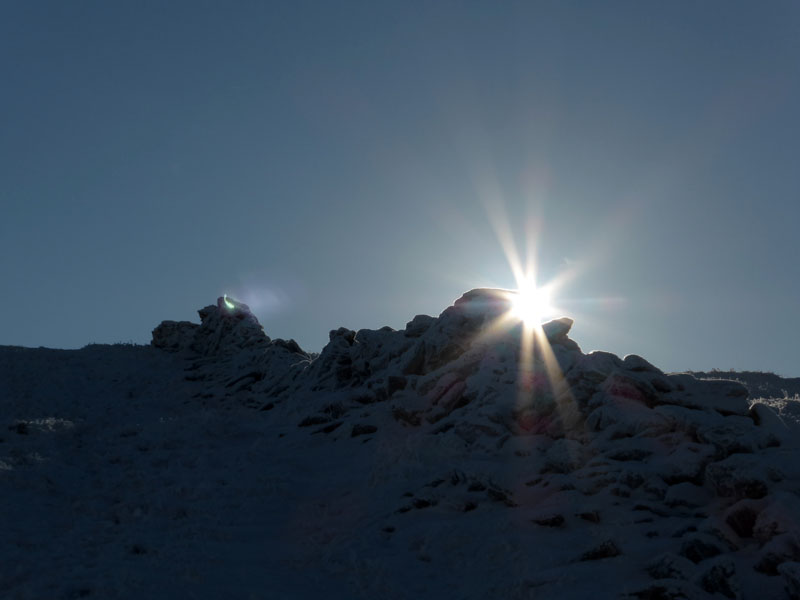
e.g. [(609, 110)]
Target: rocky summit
[(463, 457)]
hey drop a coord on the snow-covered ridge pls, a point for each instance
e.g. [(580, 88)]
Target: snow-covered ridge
[(759, 383), (668, 447), (453, 458), (460, 350)]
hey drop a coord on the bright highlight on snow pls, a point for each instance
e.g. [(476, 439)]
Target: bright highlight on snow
[(531, 305), (228, 303)]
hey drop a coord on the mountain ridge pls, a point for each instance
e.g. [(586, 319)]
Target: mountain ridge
[(463, 456)]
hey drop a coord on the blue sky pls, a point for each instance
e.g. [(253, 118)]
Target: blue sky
[(342, 164)]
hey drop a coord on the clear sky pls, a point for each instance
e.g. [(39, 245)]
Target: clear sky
[(351, 164)]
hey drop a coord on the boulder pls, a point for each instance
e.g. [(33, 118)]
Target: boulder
[(741, 517), (791, 576), (780, 515), (228, 328), (174, 336), (719, 577), (771, 423), (634, 362), (670, 566), (742, 476), (724, 396), (418, 325), (556, 330), (566, 455), (780, 549)]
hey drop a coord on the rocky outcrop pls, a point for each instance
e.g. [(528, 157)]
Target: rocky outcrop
[(229, 356), (758, 383), (228, 327), (174, 336), (605, 429)]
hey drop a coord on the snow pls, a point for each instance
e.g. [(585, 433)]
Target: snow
[(425, 462)]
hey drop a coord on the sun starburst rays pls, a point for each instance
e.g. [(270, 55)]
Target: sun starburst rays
[(541, 382)]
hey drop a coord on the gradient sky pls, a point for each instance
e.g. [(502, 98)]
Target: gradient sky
[(350, 164)]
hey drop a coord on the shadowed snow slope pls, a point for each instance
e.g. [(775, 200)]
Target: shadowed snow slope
[(456, 458)]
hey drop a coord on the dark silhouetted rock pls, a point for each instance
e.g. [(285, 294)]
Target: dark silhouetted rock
[(606, 549)]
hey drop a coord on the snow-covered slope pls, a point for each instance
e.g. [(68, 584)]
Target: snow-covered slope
[(449, 459)]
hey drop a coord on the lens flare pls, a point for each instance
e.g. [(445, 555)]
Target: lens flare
[(228, 303), (531, 305)]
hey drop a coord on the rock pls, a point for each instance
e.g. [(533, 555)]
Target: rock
[(688, 419), (531, 420), (724, 396), (556, 520), (289, 345), (632, 478), (627, 449), (454, 332), (174, 336), (735, 434), (567, 418), (347, 336), (419, 325), (565, 456), (741, 517), (634, 362), (406, 416), (447, 396), (605, 549), (656, 487), (557, 329), (629, 441), (780, 515), (660, 383), (670, 566), (496, 494), (334, 369), (624, 386), (630, 416), (595, 366), (719, 577), (681, 459), (395, 383), (741, 476), (686, 494), (780, 549), (791, 575), (668, 589), (592, 516), (227, 328), (473, 432), (701, 547), (770, 422), (361, 429), (481, 304), (314, 420)]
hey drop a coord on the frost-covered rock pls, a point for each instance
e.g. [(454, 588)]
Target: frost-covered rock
[(791, 574), (174, 336), (671, 566), (634, 362), (228, 327), (771, 423), (719, 577), (742, 476), (781, 514), (778, 550), (724, 396)]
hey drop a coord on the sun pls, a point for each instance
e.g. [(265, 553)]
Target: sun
[(531, 304)]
